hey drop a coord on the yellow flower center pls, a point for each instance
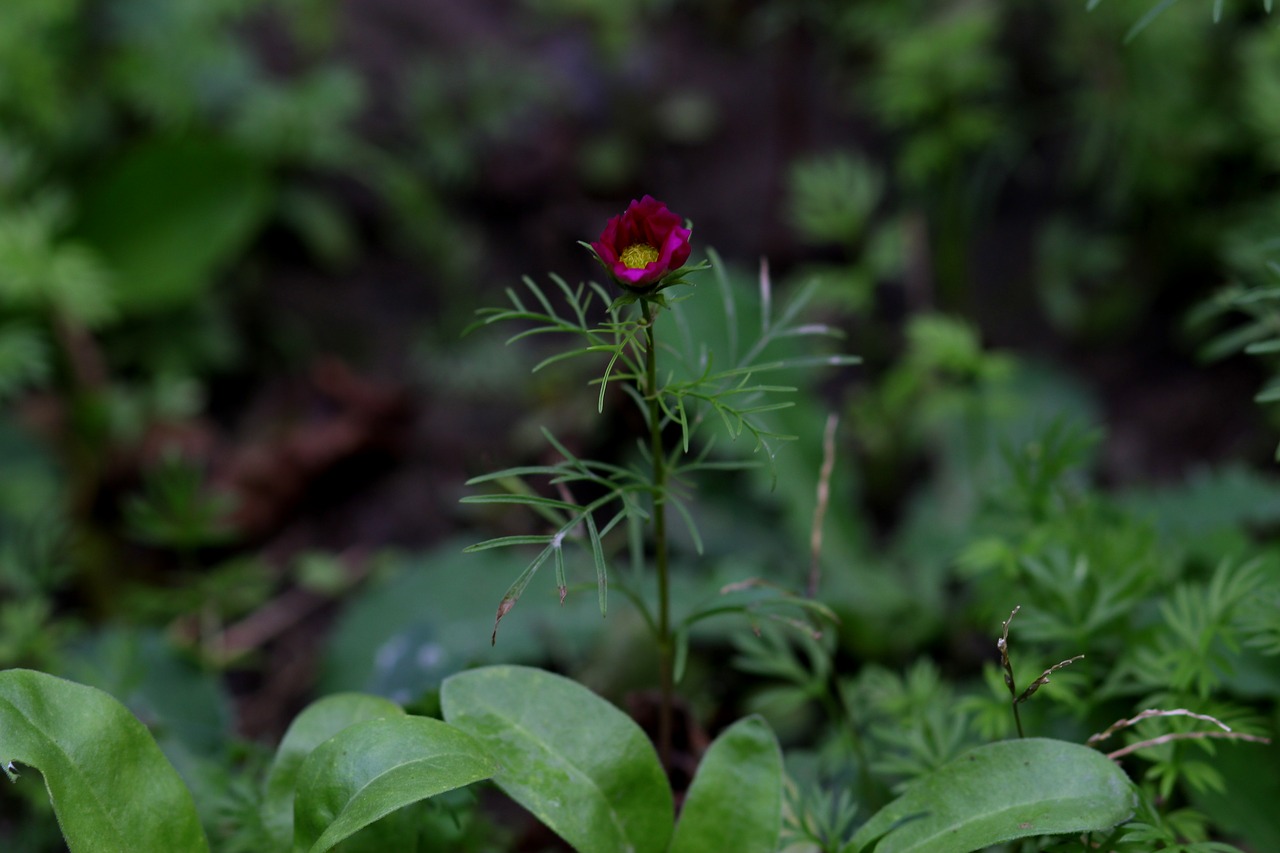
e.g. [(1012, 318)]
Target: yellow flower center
[(637, 256)]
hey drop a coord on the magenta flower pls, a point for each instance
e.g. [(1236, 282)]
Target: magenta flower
[(643, 245)]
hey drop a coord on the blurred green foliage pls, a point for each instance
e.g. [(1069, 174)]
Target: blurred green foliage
[(1100, 170), (1124, 152)]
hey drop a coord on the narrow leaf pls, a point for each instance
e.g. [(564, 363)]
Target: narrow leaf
[(557, 358), (1232, 342), (574, 299), (562, 582), (508, 541), (575, 761), (1000, 792), (1263, 347), (604, 381), (523, 499), (513, 593), (735, 801), (541, 297), (597, 553), (1143, 22), (681, 640), (690, 525), (1259, 294), (371, 769), (522, 471), (112, 788)]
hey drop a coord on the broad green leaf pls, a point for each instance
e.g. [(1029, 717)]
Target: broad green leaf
[(580, 765), (735, 801), (371, 769), (171, 214), (318, 722), (999, 792), (402, 636), (112, 789)]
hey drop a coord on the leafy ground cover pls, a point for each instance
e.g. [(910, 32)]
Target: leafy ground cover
[(927, 502)]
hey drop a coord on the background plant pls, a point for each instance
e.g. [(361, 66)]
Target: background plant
[(999, 219), (684, 393)]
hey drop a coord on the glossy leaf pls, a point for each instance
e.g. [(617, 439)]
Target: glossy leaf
[(371, 769), (999, 792), (112, 788), (318, 722), (735, 801), (575, 761)]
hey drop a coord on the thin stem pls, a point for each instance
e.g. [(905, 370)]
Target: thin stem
[(1172, 736), (1003, 645), (665, 646), (820, 508), (1017, 719)]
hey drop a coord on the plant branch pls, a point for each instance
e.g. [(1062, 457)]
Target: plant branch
[(661, 560), (1172, 736), (824, 498), (1225, 733), (1003, 645), (1154, 712)]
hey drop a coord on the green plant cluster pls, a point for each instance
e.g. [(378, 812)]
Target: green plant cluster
[(152, 158), (1159, 631), (1126, 149), (935, 624)]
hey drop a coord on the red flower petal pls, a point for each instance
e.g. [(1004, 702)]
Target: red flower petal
[(646, 222)]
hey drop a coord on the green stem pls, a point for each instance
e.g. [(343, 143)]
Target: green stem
[(665, 645)]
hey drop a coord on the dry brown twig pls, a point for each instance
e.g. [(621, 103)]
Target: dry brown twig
[(1044, 678), (824, 498), (1018, 698), (1225, 733)]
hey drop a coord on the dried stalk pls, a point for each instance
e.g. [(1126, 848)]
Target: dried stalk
[(824, 499), (1225, 733)]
